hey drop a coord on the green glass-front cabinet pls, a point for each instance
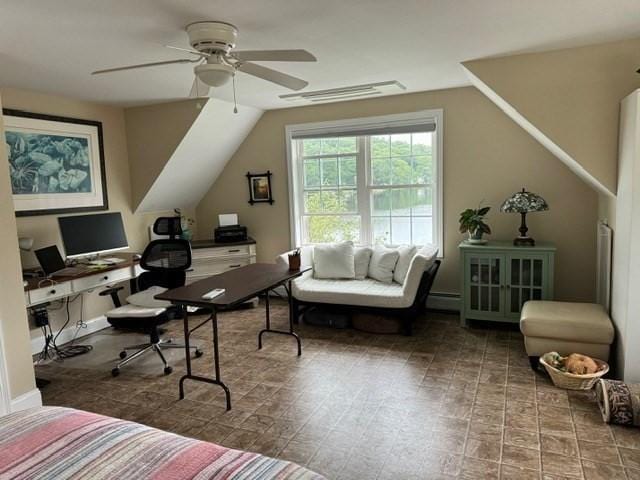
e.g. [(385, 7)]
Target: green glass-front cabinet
[(498, 277)]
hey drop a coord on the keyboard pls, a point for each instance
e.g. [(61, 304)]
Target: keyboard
[(69, 272), (102, 262)]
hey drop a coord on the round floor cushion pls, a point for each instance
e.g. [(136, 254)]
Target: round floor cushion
[(373, 323)]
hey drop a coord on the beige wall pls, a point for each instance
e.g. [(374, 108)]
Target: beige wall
[(153, 134), (13, 318), (44, 229), (487, 157), (572, 96)]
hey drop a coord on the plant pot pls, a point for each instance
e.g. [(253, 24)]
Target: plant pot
[(186, 234), (475, 238)]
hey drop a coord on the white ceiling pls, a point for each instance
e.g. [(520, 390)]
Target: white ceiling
[(53, 45)]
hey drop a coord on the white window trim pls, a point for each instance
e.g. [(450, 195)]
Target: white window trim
[(335, 126)]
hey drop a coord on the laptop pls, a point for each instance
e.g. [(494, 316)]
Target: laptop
[(52, 263)]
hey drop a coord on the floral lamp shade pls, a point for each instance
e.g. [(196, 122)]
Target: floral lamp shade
[(524, 202)]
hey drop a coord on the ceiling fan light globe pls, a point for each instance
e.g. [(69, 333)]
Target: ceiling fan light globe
[(214, 74)]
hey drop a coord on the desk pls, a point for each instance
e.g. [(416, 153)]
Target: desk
[(240, 285), (42, 290)]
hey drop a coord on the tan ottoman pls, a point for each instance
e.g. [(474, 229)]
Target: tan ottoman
[(565, 327)]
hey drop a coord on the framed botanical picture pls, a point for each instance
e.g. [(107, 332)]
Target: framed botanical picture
[(56, 164), (260, 187)]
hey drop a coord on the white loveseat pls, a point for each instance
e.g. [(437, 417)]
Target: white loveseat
[(405, 300)]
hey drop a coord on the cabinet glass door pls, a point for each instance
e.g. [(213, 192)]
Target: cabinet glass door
[(525, 281), (485, 280)]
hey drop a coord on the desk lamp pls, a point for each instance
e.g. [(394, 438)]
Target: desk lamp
[(524, 202)]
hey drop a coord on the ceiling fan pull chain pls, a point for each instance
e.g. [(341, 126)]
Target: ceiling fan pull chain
[(235, 105)]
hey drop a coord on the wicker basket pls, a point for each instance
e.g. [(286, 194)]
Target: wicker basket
[(571, 381)]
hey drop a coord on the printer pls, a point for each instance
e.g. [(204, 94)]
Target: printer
[(230, 233), (229, 230)]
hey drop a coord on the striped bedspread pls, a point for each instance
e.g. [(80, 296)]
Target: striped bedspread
[(61, 443)]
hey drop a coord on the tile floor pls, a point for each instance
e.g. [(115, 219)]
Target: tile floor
[(446, 403)]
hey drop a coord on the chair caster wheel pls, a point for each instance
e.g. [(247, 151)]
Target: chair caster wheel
[(198, 353), (123, 354), (115, 372), (168, 370)]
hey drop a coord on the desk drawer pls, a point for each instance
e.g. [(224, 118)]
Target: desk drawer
[(217, 252), (49, 292), (209, 267), (100, 279)]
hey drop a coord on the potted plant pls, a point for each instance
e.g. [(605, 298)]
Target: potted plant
[(472, 222)]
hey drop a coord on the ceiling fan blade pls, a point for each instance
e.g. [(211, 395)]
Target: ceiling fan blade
[(272, 76), (274, 56), (188, 50), (199, 89), (144, 65)]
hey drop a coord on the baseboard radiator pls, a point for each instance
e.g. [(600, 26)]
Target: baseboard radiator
[(603, 266)]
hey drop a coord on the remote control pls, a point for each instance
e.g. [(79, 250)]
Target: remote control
[(213, 293)]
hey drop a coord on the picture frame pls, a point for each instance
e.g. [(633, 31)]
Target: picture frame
[(260, 187), (56, 163)]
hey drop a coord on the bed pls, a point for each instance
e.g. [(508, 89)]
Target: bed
[(63, 443)]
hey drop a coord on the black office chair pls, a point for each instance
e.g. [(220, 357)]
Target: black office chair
[(165, 262)]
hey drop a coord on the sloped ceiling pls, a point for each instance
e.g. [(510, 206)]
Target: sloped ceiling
[(181, 177), (153, 135), (568, 100)]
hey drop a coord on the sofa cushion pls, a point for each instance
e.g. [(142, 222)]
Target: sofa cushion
[(333, 260), (575, 322), (382, 263), (367, 292), (405, 255), (361, 256)]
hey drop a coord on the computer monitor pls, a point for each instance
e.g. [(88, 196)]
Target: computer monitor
[(86, 235)]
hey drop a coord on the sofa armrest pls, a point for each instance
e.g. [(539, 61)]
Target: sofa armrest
[(306, 257), (283, 259)]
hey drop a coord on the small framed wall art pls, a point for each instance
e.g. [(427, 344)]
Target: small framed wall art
[(56, 164), (260, 188)]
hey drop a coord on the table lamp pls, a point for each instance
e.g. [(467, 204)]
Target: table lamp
[(524, 202)]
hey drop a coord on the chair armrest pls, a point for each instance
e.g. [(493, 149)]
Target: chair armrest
[(113, 293), (110, 291)]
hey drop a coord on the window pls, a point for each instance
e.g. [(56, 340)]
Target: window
[(372, 180)]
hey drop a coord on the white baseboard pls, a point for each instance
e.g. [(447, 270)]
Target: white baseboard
[(93, 325), (30, 399)]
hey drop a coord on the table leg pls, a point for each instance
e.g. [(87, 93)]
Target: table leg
[(291, 315), (216, 358), (268, 321), (187, 353)]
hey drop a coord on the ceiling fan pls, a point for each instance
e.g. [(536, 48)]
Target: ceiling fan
[(213, 43)]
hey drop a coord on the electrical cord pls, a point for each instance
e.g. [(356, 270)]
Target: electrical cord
[(70, 350)]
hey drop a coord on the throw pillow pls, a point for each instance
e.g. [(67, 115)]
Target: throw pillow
[(383, 261), (333, 260), (362, 256), (405, 255)]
